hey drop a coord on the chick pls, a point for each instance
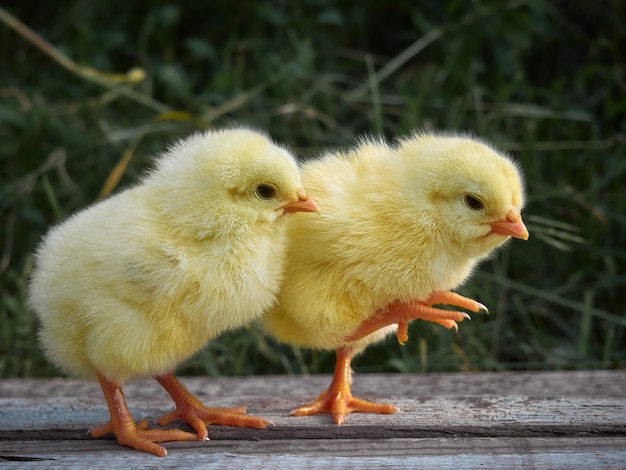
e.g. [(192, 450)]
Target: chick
[(402, 225), (138, 282)]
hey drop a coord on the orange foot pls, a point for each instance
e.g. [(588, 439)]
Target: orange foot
[(129, 433), (338, 399), (401, 312), (189, 409)]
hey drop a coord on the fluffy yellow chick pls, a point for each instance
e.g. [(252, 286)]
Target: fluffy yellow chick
[(402, 225), (138, 282)]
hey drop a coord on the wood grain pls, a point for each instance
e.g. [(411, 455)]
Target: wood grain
[(497, 420)]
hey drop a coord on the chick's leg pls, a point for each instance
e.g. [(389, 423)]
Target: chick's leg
[(127, 432), (337, 399), (189, 409), (401, 312)]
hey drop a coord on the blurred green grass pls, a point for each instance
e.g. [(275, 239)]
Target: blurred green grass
[(544, 80)]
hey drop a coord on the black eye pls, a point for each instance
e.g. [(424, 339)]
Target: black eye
[(265, 191), (473, 202)]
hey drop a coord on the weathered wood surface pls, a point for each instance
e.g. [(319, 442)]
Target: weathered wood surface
[(493, 420)]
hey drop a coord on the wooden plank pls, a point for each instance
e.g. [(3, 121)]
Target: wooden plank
[(497, 420), (529, 404), (511, 415), (461, 453)]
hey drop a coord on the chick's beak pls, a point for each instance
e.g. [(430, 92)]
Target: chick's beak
[(303, 204), (512, 225)]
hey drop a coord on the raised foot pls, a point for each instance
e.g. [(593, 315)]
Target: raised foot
[(339, 404), (139, 437), (401, 312)]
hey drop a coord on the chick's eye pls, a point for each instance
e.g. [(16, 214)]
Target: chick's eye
[(473, 202), (265, 191)]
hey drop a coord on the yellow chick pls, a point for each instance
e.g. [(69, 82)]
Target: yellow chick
[(138, 282), (402, 225)]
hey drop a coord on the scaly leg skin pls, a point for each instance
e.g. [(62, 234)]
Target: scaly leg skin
[(122, 425), (337, 399), (189, 409), (401, 312)]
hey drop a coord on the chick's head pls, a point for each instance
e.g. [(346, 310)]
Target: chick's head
[(228, 180), (475, 194)]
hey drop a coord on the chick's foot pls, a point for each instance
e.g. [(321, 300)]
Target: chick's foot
[(337, 399), (129, 433), (401, 312), (198, 416)]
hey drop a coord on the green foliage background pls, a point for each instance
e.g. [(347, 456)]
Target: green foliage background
[(544, 80)]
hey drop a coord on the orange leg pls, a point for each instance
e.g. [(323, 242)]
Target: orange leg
[(337, 399), (401, 312), (129, 433), (189, 409)]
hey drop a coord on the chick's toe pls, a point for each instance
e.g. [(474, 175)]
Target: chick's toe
[(401, 312), (129, 433), (337, 399), (198, 416)]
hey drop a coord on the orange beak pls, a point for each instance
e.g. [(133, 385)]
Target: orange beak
[(303, 204), (512, 226)]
